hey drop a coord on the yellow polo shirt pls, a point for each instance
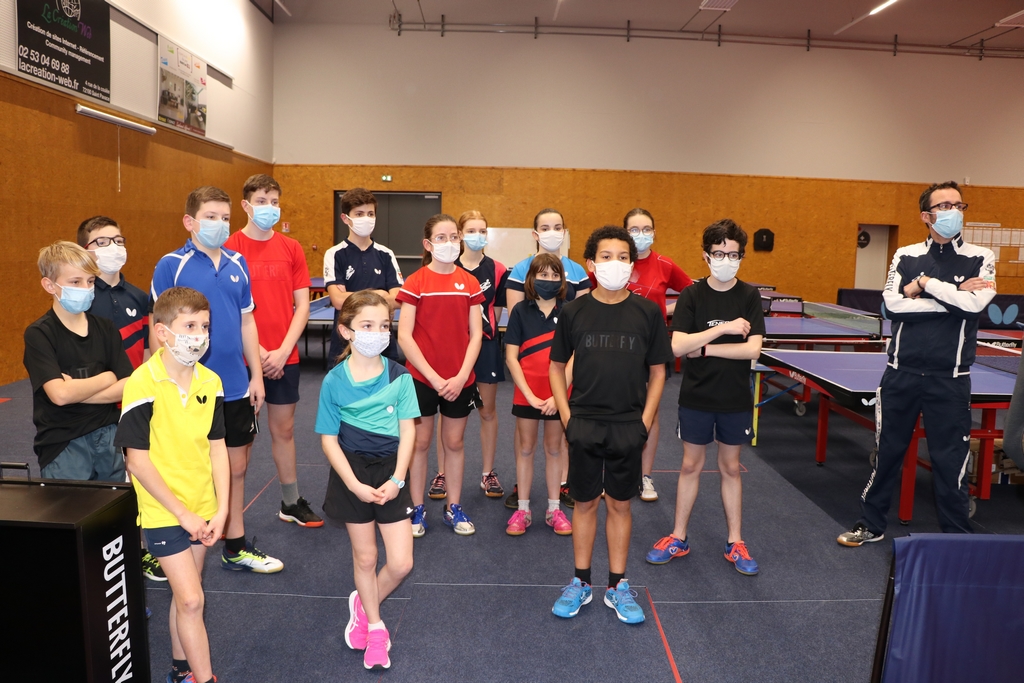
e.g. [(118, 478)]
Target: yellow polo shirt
[(176, 426)]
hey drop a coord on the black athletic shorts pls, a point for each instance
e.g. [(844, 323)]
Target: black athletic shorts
[(239, 423), (604, 456), (430, 401), (531, 413), (490, 364), (343, 506), (283, 391)]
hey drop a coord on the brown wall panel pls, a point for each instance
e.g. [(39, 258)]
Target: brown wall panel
[(815, 220), (58, 168)]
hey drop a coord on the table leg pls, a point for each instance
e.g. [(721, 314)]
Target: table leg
[(986, 454), (824, 404)]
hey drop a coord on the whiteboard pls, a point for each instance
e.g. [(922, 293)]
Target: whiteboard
[(509, 246)]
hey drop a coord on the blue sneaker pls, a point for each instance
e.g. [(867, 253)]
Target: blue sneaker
[(667, 548), (738, 554), (574, 596), (458, 520), (419, 521), (621, 600)]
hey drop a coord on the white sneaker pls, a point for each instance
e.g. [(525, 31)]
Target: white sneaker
[(647, 492), (251, 559)]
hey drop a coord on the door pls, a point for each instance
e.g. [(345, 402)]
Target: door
[(400, 220), (872, 256)]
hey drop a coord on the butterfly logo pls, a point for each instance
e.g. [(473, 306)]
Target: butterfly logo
[(1002, 317), (234, 278), (391, 409), (869, 403), (408, 511), (201, 399), (377, 270), (958, 278), (349, 272), (555, 319), (131, 312), (459, 285)]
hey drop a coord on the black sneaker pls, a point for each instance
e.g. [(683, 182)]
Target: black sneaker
[(438, 489), (858, 535), (563, 495), (151, 568), (300, 513), (490, 486), (512, 499)]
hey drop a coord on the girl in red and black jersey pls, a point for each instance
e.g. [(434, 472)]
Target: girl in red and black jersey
[(531, 327)]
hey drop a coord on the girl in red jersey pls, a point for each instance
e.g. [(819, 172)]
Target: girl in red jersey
[(531, 327), (653, 276), (440, 329)]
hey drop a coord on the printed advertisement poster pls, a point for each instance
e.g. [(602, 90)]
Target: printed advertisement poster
[(182, 88), (67, 43)]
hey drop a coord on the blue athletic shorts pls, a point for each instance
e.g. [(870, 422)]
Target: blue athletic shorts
[(700, 427), (167, 540), (285, 390)]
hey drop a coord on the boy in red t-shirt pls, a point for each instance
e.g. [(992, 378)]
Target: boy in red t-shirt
[(280, 289)]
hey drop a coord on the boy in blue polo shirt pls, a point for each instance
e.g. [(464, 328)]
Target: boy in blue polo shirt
[(358, 262), (222, 276)]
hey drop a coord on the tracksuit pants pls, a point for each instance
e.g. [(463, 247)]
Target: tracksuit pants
[(946, 405)]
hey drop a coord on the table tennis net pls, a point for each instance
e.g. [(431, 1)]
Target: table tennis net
[(861, 322), (998, 358)]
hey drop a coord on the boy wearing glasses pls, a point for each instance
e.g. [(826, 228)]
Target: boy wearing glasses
[(934, 294), (718, 325), (116, 299)]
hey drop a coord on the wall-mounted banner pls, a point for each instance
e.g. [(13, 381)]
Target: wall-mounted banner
[(182, 88), (67, 43)]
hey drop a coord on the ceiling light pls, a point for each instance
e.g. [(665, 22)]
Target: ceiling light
[(1016, 20), (718, 5), (865, 16)]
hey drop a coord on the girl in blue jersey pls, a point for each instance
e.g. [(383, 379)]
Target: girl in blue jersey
[(531, 327), (365, 419)]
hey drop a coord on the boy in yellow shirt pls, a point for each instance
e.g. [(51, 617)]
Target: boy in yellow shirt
[(172, 430)]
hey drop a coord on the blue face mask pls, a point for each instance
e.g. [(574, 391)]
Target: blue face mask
[(643, 242), (948, 223), (475, 241), (266, 216), (76, 299), (547, 289), (212, 234)]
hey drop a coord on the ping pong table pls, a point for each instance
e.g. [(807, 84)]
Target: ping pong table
[(846, 381)]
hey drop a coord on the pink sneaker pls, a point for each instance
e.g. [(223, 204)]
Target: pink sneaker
[(355, 631), (518, 522), (557, 520), (378, 642)]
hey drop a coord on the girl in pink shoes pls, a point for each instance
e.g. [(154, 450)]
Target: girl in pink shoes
[(531, 327), (366, 421), (440, 331)]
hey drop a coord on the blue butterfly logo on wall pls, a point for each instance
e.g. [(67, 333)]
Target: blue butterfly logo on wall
[(1000, 317)]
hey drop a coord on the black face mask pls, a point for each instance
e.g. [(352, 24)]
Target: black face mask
[(547, 289)]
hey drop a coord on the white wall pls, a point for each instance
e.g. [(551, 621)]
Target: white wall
[(232, 35), (363, 95)]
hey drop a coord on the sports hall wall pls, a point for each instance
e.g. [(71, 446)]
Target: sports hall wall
[(58, 168)]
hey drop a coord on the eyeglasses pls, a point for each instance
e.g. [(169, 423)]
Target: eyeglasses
[(441, 239), (947, 206), (731, 255), (636, 231), (105, 241)]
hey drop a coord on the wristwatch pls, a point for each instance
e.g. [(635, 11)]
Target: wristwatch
[(703, 351), (400, 483)]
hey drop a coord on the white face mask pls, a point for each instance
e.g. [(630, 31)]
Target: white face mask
[(363, 225), (551, 240), (111, 258), (613, 275), (446, 253), (724, 270), (188, 348), (370, 344)]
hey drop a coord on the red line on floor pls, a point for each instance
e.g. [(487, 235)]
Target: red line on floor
[(664, 640), (4, 400), (259, 494)]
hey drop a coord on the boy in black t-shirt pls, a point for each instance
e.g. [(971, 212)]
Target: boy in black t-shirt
[(78, 368), (718, 324), (619, 349)]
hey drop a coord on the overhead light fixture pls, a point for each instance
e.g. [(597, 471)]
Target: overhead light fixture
[(865, 16), (1014, 20), (717, 5)]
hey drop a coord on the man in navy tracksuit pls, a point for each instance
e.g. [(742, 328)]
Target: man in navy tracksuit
[(934, 294)]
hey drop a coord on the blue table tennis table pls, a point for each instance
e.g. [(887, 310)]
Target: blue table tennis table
[(847, 381)]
